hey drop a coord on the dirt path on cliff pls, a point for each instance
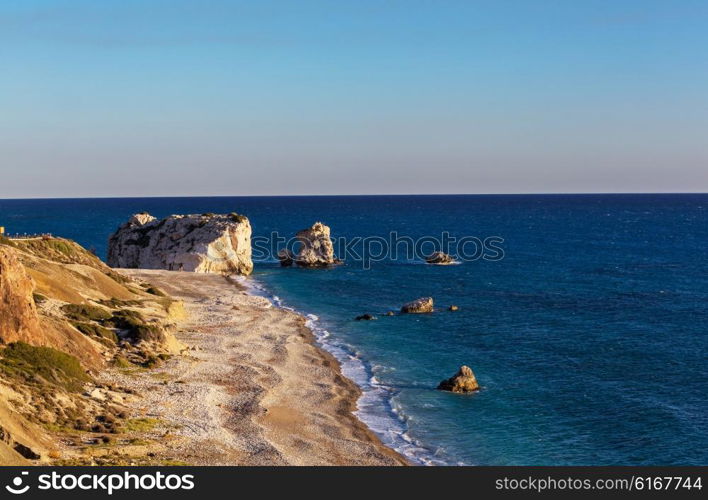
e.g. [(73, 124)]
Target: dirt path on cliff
[(253, 389)]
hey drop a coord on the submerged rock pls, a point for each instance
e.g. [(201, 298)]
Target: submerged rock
[(204, 243), (365, 317), (316, 248), (440, 258), (463, 381), (286, 257), (418, 306), (390, 313)]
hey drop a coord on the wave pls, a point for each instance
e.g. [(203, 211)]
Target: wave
[(377, 406)]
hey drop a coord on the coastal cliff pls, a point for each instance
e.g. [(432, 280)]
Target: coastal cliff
[(66, 319), (206, 243), (18, 313)]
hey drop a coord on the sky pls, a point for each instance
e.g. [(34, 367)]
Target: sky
[(268, 97)]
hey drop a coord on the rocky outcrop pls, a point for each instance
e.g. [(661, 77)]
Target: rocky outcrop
[(365, 317), (286, 257), (463, 381), (418, 306), (18, 313), (453, 308), (316, 248), (440, 259), (204, 243)]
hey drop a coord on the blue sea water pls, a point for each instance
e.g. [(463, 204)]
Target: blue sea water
[(589, 337)]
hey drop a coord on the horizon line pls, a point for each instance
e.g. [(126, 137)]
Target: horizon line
[(119, 197)]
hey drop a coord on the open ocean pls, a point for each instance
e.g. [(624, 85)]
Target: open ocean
[(589, 337)]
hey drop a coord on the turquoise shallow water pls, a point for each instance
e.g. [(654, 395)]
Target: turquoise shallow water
[(588, 337)]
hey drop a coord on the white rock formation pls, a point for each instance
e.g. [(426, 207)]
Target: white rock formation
[(198, 243), (316, 249)]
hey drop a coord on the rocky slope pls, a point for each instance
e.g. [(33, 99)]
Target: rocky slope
[(65, 318), (19, 318), (204, 243)]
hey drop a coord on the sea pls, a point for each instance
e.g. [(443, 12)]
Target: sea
[(584, 317)]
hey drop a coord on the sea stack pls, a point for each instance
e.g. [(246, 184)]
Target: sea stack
[(462, 382), (418, 306), (206, 243), (316, 248)]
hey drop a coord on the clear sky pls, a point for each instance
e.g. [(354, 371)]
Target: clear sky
[(178, 97)]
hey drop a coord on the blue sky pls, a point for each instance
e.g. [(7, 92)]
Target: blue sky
[(139, 98)]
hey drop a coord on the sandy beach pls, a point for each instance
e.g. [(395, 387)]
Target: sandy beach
[(251, 387)]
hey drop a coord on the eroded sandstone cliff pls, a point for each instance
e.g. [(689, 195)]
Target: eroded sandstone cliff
[(18, 313), (65, 318)]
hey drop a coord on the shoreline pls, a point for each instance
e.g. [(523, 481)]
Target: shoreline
[(252, 387), (374, 406)]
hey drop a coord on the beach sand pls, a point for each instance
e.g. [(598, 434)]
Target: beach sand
[(252, 388)]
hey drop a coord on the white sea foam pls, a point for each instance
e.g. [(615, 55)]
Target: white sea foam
[(376, 407)]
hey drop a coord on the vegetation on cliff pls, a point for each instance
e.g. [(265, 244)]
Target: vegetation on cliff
[(39, 365), (65, 317)]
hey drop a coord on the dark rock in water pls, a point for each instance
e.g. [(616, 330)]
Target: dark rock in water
[(439, 258), (365, 317), (418, 306), (463, 381), (286, 257), (453, 308), (390, 313)]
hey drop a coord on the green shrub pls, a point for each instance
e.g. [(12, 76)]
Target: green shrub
[(29, 362), (60, 246), (152, 290), (141, 424), (38, 298), (121, 361), (147, 332), (85, 312), (4, 240), (93, 330), (134, 323), (114, 303), (237, 217), (125, 319)]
